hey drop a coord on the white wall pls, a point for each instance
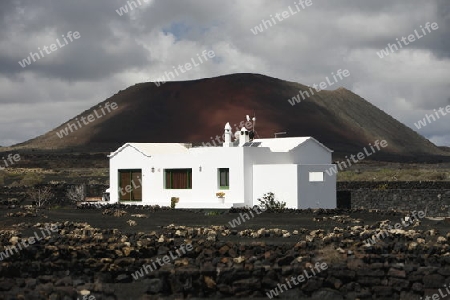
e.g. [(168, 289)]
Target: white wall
[(254, 156), (279, 179), (204, 182), (290, 183), (316, 194), (310, 153)]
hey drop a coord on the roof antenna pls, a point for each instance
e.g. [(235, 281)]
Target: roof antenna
[(278, 133), (253, 132)]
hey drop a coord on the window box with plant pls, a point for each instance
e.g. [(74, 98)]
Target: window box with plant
[(174, 201), (221, 196)]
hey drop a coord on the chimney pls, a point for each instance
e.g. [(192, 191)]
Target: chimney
[(244, 138), (227, 142)]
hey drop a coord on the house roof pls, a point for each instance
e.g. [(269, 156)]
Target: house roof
[(150, 149), (286, 144), (274, 144)]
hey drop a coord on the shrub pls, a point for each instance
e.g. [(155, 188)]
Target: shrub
[(270, 204), (40, 196), (382, 186), (77, 193), (31, 179)]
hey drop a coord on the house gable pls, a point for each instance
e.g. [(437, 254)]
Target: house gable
[(151, 149), (311, 152), (125, 148), (285, 144)]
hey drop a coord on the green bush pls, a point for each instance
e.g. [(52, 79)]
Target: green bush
[(268, 203)]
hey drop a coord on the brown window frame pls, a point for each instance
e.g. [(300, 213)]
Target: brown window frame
[(136, 193), (174, 179)]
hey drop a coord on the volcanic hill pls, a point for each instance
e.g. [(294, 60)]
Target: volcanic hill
[(196, 111)]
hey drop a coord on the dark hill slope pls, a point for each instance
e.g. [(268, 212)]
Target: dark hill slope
[(194, 111)]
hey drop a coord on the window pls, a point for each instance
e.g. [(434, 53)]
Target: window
[(315, 176), (178, 178), (224, 178), (130, 185)]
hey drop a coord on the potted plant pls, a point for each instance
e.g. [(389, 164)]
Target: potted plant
[(174, 201), (221, 196)]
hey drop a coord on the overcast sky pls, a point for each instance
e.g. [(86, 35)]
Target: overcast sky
[(113, 52)]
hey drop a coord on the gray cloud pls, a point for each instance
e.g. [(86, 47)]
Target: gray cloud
[(115, 52)]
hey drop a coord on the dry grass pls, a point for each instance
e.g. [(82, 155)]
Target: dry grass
[(27, 176), (395, 173)]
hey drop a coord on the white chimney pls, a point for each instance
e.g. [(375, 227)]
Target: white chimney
[(244, 138), (227, 142)]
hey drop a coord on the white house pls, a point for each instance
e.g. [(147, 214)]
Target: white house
[(293, 168)]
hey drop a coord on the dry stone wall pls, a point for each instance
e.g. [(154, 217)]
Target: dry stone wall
[(433, 197), (406, 265)]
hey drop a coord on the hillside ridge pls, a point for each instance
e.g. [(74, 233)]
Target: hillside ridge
[(196, 112)]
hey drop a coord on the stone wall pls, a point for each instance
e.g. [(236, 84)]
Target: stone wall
[(434, 202), (403, 185), (19, 194), (406, 265), (430, 196), (433, 196)]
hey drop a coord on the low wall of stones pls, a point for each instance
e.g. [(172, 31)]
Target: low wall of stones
[(9, 195), (402, 185), (407, 265), (430, 196), (433, 196), (433, 202)]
